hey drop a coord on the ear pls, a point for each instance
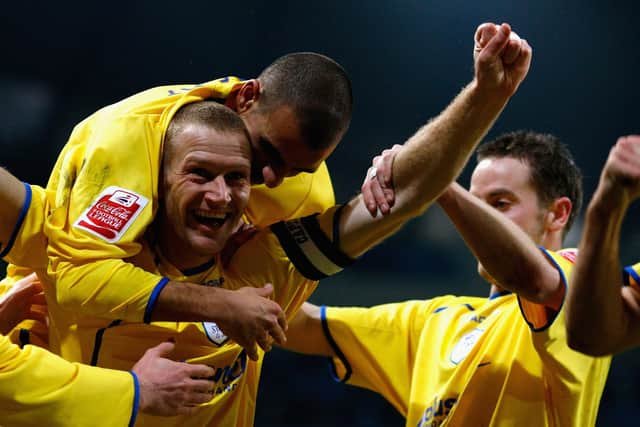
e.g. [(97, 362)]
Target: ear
[(246, 96), (558, 214)]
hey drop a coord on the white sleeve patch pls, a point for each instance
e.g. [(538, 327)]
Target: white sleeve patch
[(112, 213)]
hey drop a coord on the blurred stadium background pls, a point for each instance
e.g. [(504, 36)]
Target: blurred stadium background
[(407, 59)]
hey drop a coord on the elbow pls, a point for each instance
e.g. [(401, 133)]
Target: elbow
[(587, 344), (583, 338)]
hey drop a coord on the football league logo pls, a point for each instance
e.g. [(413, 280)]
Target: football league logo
[(112, 213)]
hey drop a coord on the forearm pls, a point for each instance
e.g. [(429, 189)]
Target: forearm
[(429, 161), (305, 334), (436, 154), (596, 317), (493, 238), (189, 302)]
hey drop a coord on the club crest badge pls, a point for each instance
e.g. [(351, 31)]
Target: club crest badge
[(214, 333), (464, 346), (112, 213)]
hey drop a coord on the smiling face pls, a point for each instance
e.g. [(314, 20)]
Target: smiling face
[(505, 183), (205, 191), (279, 148)]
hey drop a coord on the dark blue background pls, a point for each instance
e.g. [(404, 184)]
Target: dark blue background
[(407, 59)]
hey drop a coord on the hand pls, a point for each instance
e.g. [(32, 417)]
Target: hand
[(622, 169), (25, 300), (254, 319), (244, 233), (169, 388), (377, 188), (501, 57)]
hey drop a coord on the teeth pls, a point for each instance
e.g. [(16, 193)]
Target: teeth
[(211, 215)]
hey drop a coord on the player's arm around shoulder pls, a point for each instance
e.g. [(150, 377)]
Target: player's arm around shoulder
[(305, 333)]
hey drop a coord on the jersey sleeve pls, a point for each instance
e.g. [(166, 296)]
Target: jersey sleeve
[(28, 331), (105, 196), (27, 245), (631, 275), (362, 339), (298, 196), (39, 388)]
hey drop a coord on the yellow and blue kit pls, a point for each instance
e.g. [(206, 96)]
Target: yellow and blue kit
[(632, 275), (38, 388), (292, 255), (458, 361), (105, 195)]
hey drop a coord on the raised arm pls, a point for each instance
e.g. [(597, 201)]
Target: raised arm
[(528, 273), (436, 154), (603, 318)]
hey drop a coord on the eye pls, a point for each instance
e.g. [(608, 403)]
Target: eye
[(236, 176), (201, 173), (501, 204)]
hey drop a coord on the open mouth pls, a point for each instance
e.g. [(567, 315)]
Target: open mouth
[(211, 219)]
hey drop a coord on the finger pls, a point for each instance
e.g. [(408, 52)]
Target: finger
[(484, 33), (277, 333), (37, 316), (385, 166), (162, 349), (39, 299), (379, 196), (200, 371), (264, 342), (282, 321), (28, 289), (252, 351), (200, 386), (496, 45), (199, 398), (523, 62), (367, 195), (512, 50), (266, 290)]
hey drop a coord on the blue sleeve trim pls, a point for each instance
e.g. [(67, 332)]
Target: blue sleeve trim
[(16, 228), (551, 314), (628, 273), (136, 399), (153, 299), (334, 345)]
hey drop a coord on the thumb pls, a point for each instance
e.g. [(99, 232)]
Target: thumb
[(163, 349), (266, 290)]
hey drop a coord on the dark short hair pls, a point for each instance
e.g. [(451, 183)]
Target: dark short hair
[(317, 88), (554, 173), (207, 113)]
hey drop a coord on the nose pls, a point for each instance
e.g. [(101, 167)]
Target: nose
[(217, 191)]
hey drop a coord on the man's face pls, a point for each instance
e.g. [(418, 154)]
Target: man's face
[(206, 189), (279, 149), (505, 183)]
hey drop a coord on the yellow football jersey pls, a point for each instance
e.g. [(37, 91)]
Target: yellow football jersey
[(38, 388), (291, 255), (105, 186), (459, 361), (632, 275), (27, 245)]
